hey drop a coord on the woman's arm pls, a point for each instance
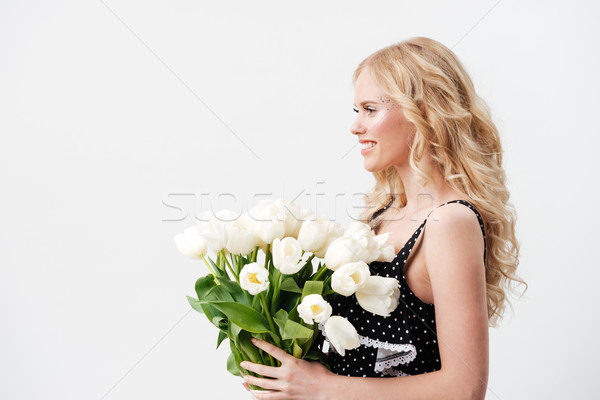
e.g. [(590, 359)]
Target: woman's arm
[(453, 254)]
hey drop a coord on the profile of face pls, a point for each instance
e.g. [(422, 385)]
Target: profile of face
[(381, 124)]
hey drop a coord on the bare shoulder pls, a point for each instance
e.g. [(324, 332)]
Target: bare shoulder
[(454, 236)]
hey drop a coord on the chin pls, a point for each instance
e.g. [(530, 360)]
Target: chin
[(372, 169)]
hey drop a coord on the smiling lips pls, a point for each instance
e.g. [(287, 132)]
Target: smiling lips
[(366, 146)]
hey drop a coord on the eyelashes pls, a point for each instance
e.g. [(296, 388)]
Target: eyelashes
[(369, 110)]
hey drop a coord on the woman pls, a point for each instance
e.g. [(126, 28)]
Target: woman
[(429, 141)]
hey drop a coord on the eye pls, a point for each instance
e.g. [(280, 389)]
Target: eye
[(369, 110)]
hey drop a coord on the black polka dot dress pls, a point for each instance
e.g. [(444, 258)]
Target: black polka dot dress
[(402, 344)]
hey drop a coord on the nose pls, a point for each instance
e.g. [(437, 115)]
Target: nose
[(357, 128)]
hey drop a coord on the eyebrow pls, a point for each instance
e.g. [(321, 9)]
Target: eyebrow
[(366, 102)]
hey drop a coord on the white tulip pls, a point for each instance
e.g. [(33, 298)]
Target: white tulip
[(317, 233), (293, 217), (269, 220), (387, 251), (350, 277), (254, 278), (226, 216), (341, 251), (314, 308), (358, 228), (313, 232), (241, 237), (191, 243), (336, 230), (359, 243), (287, 255), (379, 295), (214, 229), (341, 334), (368, 248)]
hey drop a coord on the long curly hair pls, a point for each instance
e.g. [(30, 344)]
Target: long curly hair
[(454, 125)]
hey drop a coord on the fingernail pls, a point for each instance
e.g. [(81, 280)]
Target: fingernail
[(253, 340), (243, 364)]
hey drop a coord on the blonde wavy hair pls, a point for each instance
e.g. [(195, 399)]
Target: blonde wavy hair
[(454, 125)]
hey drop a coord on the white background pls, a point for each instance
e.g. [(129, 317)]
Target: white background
[(121, 119)]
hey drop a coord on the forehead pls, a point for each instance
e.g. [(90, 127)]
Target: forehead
[(366, 88)]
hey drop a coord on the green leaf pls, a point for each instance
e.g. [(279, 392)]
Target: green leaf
[(289, 285), (220, 322), (306, 344), (280, 318), (219, 271), (232, 366), (312, 287), (281, 314), (204, 286), (297, 350), (294, 330), (287, 345), (219, 292), (256, 304), (248, 350), (237, 357), (215, 317), (207, 289), (240, 314), (234, 333), (293, 313), (234, 291), (196, 305), (289, 301), (222, 336), (305, 273)]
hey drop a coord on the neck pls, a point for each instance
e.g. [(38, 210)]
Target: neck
[(421, 199)]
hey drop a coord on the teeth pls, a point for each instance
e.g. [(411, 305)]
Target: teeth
[(366, 145)]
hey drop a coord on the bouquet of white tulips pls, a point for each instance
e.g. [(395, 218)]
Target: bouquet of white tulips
[(276, 294)]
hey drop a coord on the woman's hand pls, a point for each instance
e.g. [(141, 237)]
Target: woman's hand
[(295, 379)]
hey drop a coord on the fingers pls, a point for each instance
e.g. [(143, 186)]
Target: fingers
[(272, 350), (260, 369), (271, 384), (263, 394), (258, 395)]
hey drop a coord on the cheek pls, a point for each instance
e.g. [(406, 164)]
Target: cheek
[(397, 135), (386, 128), (393, 129)]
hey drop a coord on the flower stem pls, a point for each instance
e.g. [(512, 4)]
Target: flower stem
[(320, 273), (267, 256), (277, 284), (212, 271), (271, 325), (254, 253), (237, 279), (264, 354)]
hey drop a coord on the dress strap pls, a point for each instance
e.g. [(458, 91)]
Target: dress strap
[(376, 213)]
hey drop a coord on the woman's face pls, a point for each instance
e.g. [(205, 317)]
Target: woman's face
[(382, 123)]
